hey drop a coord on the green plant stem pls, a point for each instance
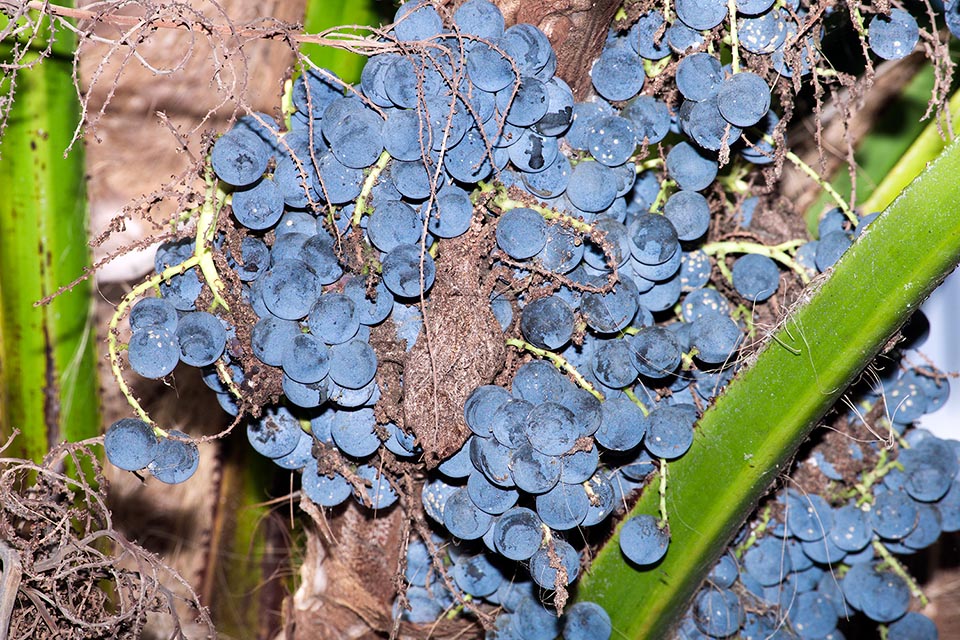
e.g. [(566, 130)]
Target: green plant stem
[(798, 162), (202, 258), (686, 360), (664, 474), (758, 531), (777, 252), (113, 333), (826, 186), (661, 198), (206, 231), (559, 361), (653, 68), (734, 40), (863, 489), (627, 391), (646, 165), (504, 202), (48, 375), (750, 434), (224, 373), (360, 207), (287, 109), (895, 565)]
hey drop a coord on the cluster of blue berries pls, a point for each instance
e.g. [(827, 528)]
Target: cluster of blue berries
[(817, 562), (599, 212)]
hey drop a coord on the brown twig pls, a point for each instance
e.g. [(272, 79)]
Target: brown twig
[(330, 37)]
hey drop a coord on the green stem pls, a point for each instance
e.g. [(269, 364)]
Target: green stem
[(798, 162), (664, 520), (635, 400), (653, 68), (742, 312), (361, 208), (202, 258), (755, 534), (665, 188), (228, 380), (504, 202), (863, 490), (825, 185), (777, 252), (734, 40), (113, 332), (205, 234), (559, 361), (649, 163), (48, 375), (900, 570), (750, 434)]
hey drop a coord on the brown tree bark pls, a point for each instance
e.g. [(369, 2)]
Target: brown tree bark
[(576, 28)]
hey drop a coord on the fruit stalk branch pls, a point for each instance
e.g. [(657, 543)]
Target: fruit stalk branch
[(361, 208), (504, 202), (898, 568), (559, 361), (734, 39), (777, 252), (202, 257), (798, 162)]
